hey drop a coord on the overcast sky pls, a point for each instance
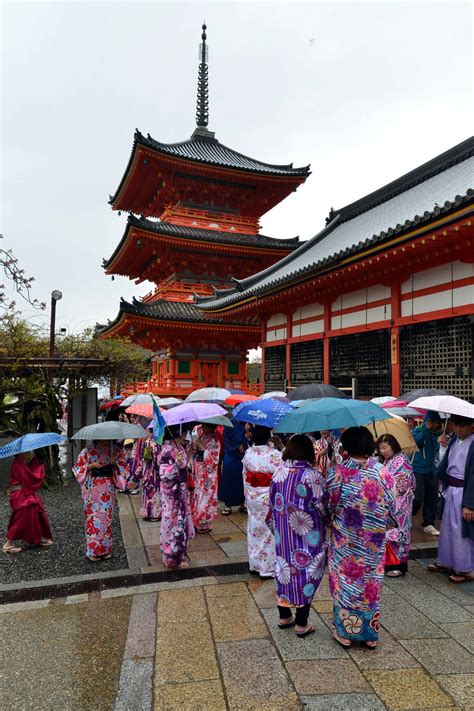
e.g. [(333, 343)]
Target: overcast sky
[(362, 91)]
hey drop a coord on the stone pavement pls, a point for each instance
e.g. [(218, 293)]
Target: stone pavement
[(212, 643), (227, 543)]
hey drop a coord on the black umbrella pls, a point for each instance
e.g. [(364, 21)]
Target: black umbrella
[(315, 390), (423, 392)]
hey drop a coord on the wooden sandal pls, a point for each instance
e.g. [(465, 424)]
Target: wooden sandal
[(309, 630), (227, 511), (435, 568), (459, 578), (11, 549)]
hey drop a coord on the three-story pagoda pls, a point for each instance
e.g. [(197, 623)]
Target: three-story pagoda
[(193, 228)]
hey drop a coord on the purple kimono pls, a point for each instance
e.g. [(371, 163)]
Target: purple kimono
[(296, 518), (176, 520)]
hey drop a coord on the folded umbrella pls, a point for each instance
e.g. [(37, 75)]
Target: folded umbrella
[(262, 412), (398, 429), (192, 412), (329, 414), (208, 395), (445, 403), (30, 442), (110, 430), (316, 390)]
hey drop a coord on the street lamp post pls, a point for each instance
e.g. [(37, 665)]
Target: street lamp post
[(55, 296)]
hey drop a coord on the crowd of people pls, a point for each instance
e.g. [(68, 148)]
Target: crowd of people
[(335, 499)]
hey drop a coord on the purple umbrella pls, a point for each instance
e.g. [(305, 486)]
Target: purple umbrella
[(192, 412)]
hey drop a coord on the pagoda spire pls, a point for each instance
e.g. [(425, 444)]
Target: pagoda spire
[(202, 106)]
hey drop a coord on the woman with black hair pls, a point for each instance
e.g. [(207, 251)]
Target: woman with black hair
[(360, 501), (296, 517), (404, 485), (258, 465), (176, 520)]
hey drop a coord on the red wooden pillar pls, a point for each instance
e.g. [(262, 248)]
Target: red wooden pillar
[(395, 340), (327, 328), (288, 351)]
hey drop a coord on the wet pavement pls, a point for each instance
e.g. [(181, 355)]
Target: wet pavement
[(213, 643)]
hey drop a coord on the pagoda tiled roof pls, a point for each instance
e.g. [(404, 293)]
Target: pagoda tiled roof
[(202, 235), (430, 191), (207, 149), (163, 310)]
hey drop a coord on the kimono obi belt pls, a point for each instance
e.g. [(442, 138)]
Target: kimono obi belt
[(256, 479), (107, 471), (458, 483)]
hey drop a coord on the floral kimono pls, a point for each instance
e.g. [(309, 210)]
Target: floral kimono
[(296, 517), (322, 461), (98, 492), (404, 485), (135, 464), (176, 521), (259, 463), (204, 475), (151, 502), (360, 500)]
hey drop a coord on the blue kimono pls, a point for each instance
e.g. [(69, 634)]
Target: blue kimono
[(231, 487)]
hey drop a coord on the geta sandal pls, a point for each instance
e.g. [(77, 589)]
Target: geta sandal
[(310, 630), (227, 511), (341, 643), (288, 624), (11, 549), (459, 578), (435, 568)]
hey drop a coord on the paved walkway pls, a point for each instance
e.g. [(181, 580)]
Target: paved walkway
[(227, 543), (212, 643)]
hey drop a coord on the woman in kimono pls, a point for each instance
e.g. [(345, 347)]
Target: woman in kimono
[(176, 520), (205, 462), (326, 451), (456, 538), (135, 462), (28, 520), (100, 468), (150, 509), (259, 463), (360, 500), (296, 517), (231, 487), (404, 485)]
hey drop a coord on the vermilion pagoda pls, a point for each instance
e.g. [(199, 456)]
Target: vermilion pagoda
[(205, 201)]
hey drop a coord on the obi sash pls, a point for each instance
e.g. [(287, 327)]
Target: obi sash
[(256, 479)]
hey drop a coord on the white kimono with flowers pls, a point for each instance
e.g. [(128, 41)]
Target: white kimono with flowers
[(259, 463)]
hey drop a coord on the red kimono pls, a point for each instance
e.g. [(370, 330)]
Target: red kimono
[(28, 521)]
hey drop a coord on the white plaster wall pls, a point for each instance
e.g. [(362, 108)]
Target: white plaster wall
[(307, 329), (308, 311), (277, 334)]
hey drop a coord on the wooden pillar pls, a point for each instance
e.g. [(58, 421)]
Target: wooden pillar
[(288, 350), (327, 328), (395, 339)]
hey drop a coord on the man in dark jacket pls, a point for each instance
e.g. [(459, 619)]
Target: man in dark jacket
[(456, 471), (426, 493)]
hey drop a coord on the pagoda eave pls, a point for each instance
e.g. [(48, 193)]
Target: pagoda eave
[(152, 181)]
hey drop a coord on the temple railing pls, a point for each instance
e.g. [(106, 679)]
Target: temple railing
[(180, 389)]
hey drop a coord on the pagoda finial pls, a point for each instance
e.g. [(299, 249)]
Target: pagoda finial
[(202, 107)]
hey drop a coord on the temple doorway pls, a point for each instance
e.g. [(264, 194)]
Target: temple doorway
[(210, 374)]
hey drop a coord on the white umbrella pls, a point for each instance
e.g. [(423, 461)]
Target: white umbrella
[(208, 395), (170, 401), (445, 403), (275, 393), (111, 431), (137, 399), (383, 399)]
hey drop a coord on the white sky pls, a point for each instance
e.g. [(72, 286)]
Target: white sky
[(362, 91)]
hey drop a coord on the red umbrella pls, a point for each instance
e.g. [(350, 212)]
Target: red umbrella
[(109, 404), (144, 410), (239, 397)]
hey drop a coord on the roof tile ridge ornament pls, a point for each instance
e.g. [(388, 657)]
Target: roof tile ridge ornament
[(202, 105)]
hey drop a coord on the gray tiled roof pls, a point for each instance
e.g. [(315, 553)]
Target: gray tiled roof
[(208, 150), (202, 235), (411, 200), (163, 310)]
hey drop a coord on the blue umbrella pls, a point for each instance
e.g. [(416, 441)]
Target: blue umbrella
[(330, 413), (29, 442), (262, 412)]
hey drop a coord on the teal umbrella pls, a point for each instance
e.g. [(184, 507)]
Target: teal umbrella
[(331, 413), (221, 420)]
